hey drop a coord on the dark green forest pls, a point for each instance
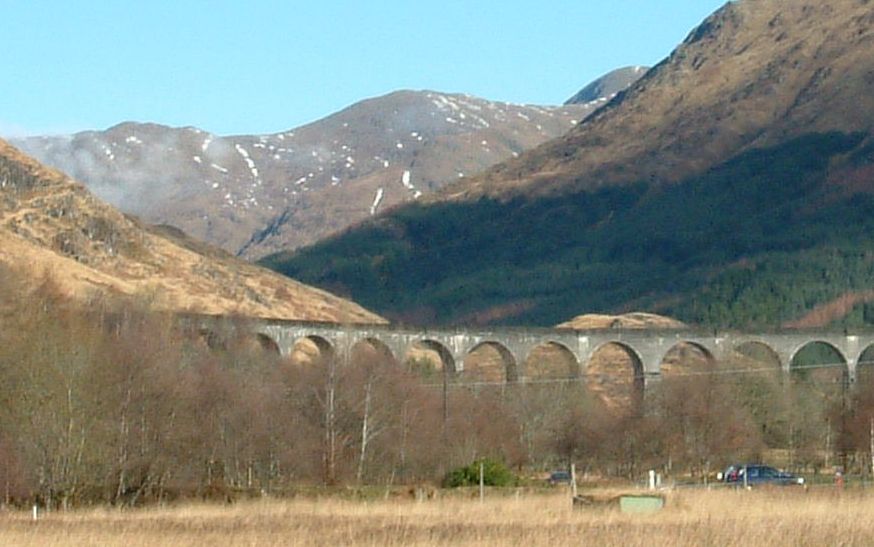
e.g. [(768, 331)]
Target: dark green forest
[(754, 242)]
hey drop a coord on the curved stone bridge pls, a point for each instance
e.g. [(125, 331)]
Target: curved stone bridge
[(646, 348)]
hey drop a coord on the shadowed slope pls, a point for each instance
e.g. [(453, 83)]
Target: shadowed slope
[(732, 185)]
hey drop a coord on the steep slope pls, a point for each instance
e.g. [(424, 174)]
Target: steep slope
[(752, 75), (51, 225), (256, 194), (731, 186), (608, 86), (757, 241)]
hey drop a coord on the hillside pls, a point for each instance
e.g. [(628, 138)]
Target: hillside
[(752, 75), (633, 320), (52, 226), (730, 186), (253, 195)]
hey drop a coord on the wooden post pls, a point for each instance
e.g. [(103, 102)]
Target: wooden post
[(445, 403), (574, 480), (482, 483), (828, 443), (871, 435)]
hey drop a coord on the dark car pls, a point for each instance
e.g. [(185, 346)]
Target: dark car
[(756, 474), (559, 477)]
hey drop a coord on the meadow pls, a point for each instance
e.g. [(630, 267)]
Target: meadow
[(693, 517)]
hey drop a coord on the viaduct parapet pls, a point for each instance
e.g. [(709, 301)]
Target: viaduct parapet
[(646, 348)]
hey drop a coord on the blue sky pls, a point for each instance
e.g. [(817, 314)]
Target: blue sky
[(266, 66)]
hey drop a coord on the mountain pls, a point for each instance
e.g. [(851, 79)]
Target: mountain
[(51, 225), (752, 75), (608, 86), (252, 195), (730, 186)]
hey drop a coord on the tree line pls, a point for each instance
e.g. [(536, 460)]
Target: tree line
[(112, 403)]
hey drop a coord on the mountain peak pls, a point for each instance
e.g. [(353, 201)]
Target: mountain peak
[(607, 86), (727, 15), (730, 185), (752, 74), (255, 194)]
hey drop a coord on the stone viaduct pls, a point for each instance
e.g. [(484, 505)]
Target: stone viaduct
[(646, 348)]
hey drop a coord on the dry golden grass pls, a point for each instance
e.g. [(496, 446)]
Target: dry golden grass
[(780, 517)]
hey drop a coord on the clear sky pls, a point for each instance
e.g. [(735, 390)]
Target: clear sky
[(266, 66)]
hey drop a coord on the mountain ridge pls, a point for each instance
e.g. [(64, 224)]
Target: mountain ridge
[(252, 195), (51, 225), (664, 129), (727, 187), (608, 86)]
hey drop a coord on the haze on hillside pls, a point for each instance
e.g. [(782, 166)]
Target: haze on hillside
[(53, 230)]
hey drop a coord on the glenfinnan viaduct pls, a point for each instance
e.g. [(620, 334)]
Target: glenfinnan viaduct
[(646, 348)]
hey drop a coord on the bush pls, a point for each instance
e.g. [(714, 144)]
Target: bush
[(494, 474)]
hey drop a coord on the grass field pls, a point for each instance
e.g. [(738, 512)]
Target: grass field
[(781, 517)]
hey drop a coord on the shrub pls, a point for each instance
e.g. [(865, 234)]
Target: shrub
[(494, 474)]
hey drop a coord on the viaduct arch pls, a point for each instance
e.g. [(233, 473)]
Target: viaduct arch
[(647, 348)]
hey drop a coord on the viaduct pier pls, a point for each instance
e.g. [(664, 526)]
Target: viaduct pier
[(646, 348)]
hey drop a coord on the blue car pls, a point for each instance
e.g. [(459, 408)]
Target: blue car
[(756, 474)]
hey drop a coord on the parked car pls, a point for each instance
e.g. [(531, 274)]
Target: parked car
[(559, 477), (756, 474)]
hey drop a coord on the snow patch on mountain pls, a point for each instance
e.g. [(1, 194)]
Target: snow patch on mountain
[(161, 173), (249, 163), (376, 201)]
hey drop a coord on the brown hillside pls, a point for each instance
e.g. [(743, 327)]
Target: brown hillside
[(50, 224), (635, 320), (829, 312), (752, 74)]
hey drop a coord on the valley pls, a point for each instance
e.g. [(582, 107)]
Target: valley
[(428, 292)]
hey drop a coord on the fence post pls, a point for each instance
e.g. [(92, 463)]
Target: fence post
[(482, 483), (574, 480)]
